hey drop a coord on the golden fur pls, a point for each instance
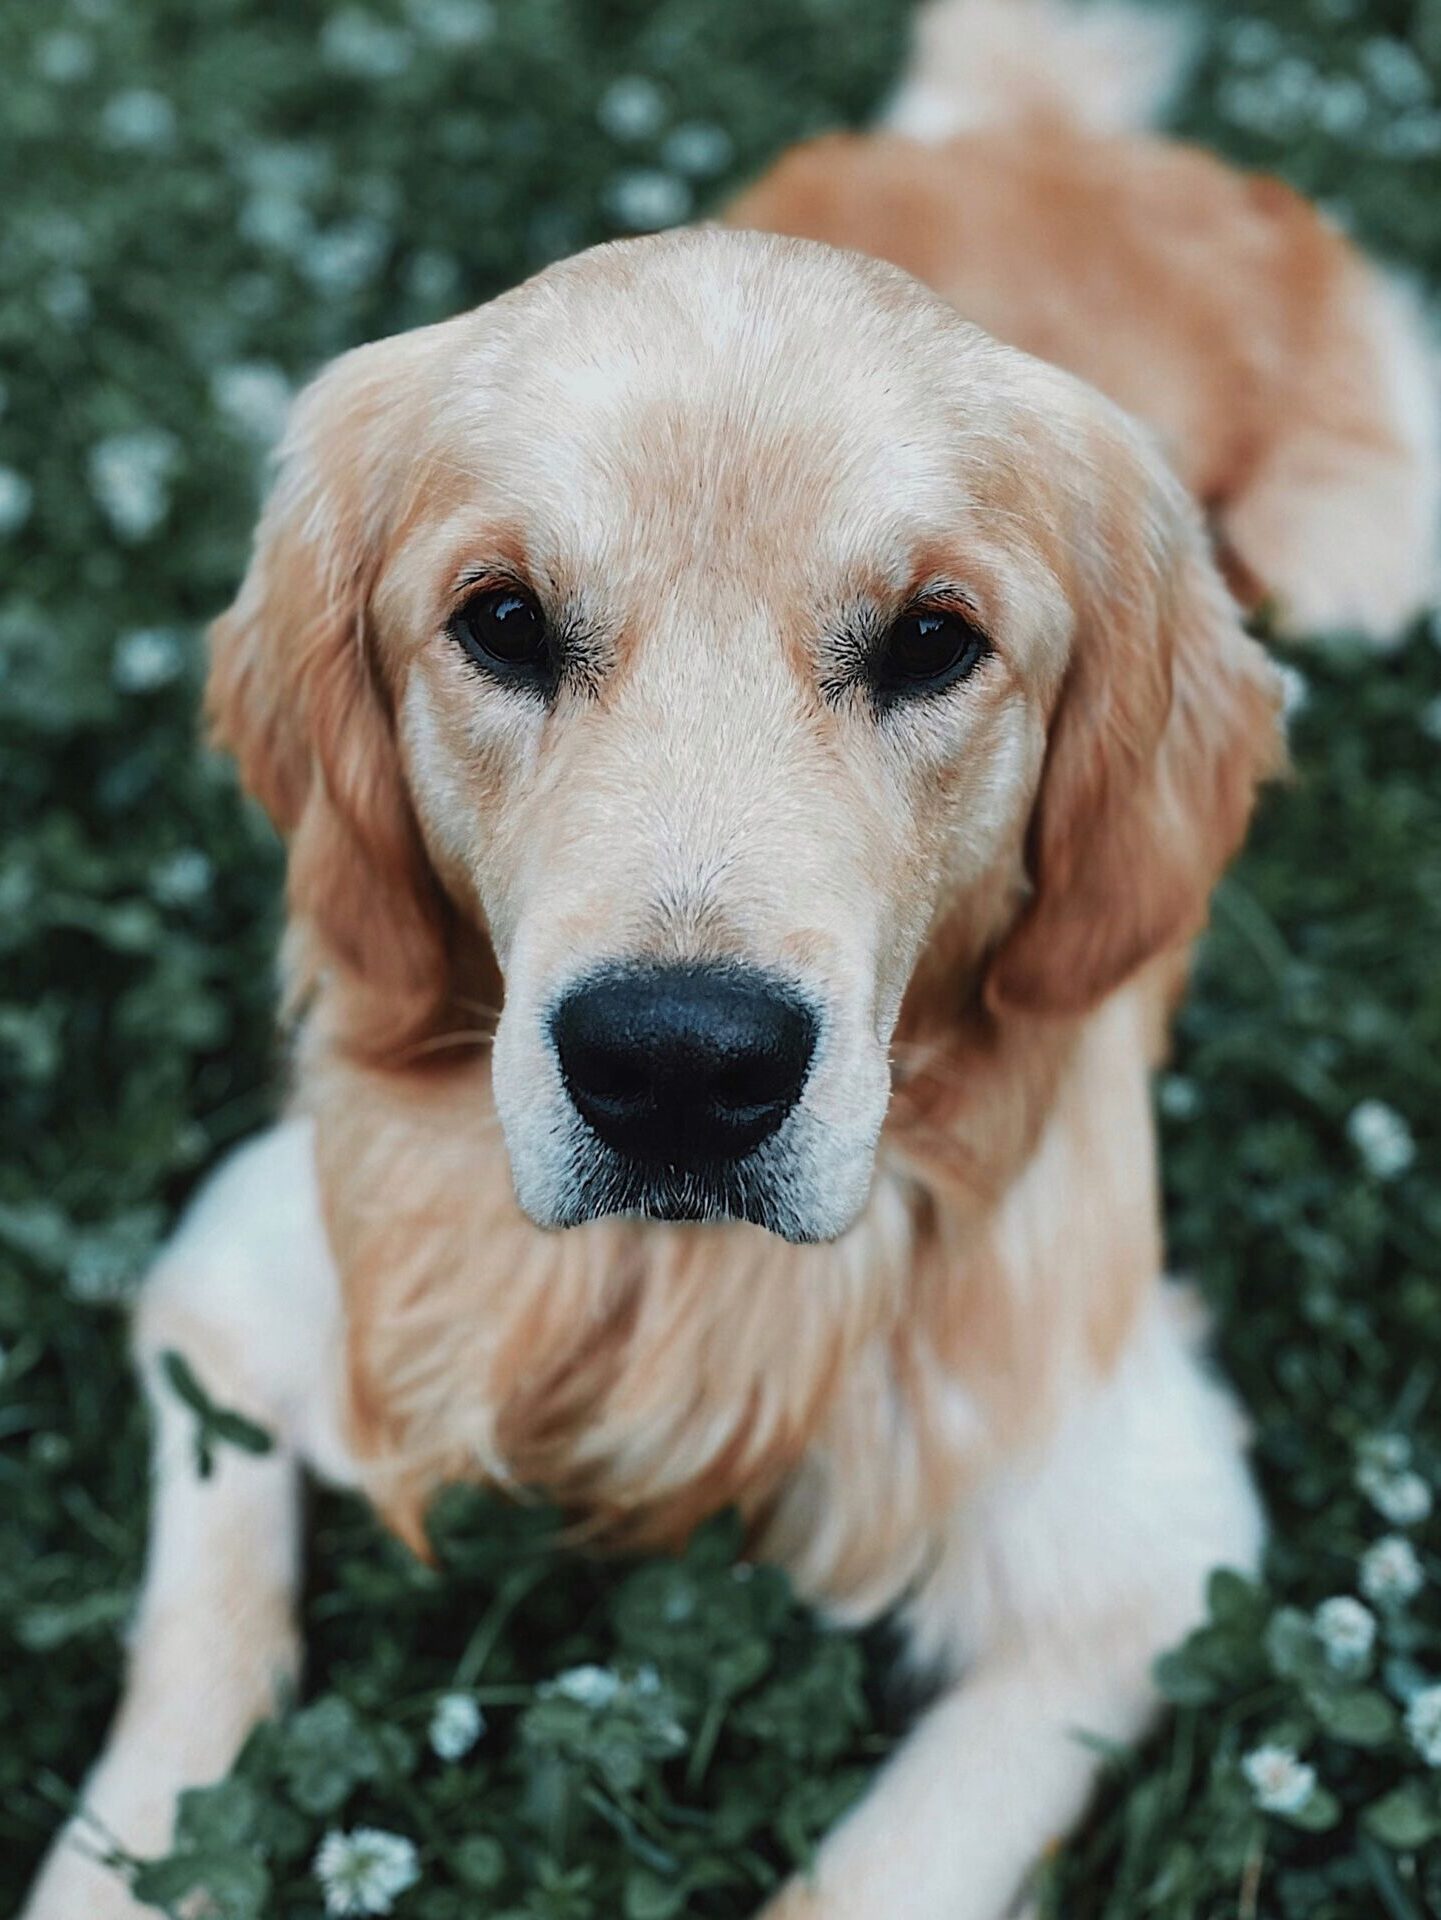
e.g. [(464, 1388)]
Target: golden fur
[(949, 1380), (649, 1374)]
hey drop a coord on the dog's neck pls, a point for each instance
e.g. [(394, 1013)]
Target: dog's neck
[(646, 1375)]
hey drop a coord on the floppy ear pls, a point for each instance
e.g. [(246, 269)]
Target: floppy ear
[(295, 695), (1168, 719)]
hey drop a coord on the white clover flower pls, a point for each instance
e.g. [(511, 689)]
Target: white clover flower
[(453, 23), (1180, 1098), (1388, 1451), (182, 877), (1382, 1138), (344, 257), (1423, 1723), (365, 1870), (1390, 1571), (1347, 1632), (254, 395), (1280, 1781), (1395, 72), (1342, 105), (1295, 689), (276, 220), (432, 276), (17, 496), (1253, 43), (140, 119), (129, 477), (632, 108), (455, 1726), (66, 297), (355, 42), (148, 658), (1402, 1498), (588, 1686), (699, 148), (291, 168), (646, 198), (64, 56), (1414, 136)]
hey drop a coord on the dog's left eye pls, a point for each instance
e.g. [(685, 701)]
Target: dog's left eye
[(926, 650), (504, 631)]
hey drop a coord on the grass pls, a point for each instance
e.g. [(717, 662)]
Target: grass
[(199, 210)]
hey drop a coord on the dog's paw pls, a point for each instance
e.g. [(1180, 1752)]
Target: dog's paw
[(76, 1885)]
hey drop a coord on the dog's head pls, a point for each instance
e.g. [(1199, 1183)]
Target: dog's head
[(694, 641)]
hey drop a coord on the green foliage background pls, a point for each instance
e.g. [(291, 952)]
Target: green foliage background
[(202, 204)]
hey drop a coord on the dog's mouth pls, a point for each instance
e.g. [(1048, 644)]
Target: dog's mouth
[(752, 1191)]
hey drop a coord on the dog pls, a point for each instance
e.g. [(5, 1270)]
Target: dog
[(754, 752)]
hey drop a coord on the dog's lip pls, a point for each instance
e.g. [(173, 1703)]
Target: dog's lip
[(693, 1195)]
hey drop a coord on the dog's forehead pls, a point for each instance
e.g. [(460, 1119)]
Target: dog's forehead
[(723, 378)]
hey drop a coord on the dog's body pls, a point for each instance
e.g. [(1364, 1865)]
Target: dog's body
[(937, 1370)]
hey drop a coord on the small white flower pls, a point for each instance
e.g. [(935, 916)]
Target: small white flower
[(357, 43), (1395, 72), (1388, 1451), (66, 297), (1342, 105), (182, 877), (276, 220), (64, 56), (631, 108), (364, 1871), (588, 1686), (344, 257), (140, 119), (698, 148), (1414, 136), (1253, 43), (455, 1726), (1280, 1781), (129, 476), (292, 168), (1180, 1098), (17, 496), (254, 395), (1390, 1571), (453, 23), (1423, 1723), (1402, 1498), (1347, 1632), (432, 276), (148, 658), (1295, 690), (1382, 1138), (646, 198)]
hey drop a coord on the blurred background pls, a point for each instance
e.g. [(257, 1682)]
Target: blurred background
[(200, 205)]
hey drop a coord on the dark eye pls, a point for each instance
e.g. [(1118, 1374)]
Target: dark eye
[(504, 631), (926, 650)]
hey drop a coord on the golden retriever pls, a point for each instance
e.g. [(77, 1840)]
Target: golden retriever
[(754, 751)]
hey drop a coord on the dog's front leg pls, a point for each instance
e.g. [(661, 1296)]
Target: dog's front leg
[(246, 1295), (1056, 1588)]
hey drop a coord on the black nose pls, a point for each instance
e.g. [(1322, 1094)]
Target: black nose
[(683, 1066)]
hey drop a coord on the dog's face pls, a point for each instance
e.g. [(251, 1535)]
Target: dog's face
[(740, 643)]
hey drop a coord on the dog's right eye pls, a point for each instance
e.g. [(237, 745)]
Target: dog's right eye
[(505, 632)]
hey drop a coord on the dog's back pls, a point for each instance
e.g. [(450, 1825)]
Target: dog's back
[(1288, 381)]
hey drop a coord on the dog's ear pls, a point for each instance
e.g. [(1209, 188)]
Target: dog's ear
[(294, 693), (1166, 722)]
